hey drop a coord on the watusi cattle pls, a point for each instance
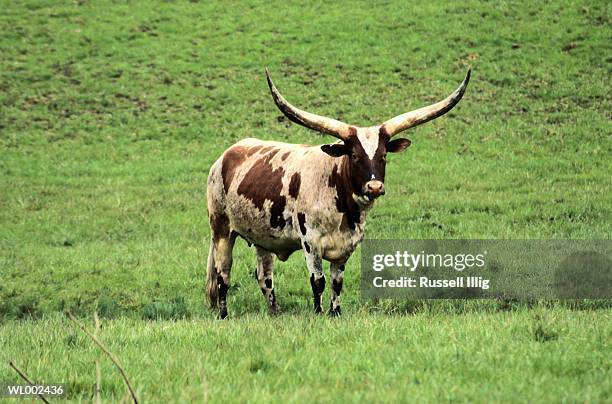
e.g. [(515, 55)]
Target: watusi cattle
[(283, 197)]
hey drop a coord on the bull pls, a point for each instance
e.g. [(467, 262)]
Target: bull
[(283, 197)]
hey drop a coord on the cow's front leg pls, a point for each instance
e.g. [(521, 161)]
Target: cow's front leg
[(317, 278), (337, 276)]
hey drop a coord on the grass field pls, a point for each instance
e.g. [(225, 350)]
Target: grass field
[(112, 113)]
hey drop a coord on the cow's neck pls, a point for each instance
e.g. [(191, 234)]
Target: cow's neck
[(354, 213)]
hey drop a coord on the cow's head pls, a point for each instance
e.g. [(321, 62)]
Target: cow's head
[(366, 148)]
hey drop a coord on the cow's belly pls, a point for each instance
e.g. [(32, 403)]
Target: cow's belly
[(282, 248), (255, 226), (255, 229)]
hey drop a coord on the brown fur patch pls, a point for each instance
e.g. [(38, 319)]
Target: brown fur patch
[(352, 131), (285, 155), (331, 180), (337, 287), (272, 153), (382, 132), (261, 183), (294, 185), (302, 222), (345, 203), (253, 150), (219, 223), (266, 149), (232, 159)]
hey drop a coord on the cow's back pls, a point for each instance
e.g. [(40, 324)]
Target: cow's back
[(256, 184)]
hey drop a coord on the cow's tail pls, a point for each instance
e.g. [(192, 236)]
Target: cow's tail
[(212, 289)]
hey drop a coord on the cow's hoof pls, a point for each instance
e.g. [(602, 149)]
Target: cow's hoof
[(222, 314), (318, 310), (335, 312), (275, 310)]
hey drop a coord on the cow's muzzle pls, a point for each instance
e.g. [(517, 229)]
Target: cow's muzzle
[(373, 189)]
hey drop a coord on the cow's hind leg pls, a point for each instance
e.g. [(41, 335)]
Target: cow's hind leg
[(337, 276), (265, 277), (223, 266), (222, 245)]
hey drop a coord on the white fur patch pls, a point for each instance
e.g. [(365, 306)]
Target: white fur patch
[(369, 141)]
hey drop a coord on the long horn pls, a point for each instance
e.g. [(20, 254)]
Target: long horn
[(418, 116), (319, 123)]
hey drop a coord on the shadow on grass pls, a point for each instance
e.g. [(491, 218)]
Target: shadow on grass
[(178, 307)]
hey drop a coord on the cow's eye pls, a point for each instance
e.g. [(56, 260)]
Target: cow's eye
[(354, 156)]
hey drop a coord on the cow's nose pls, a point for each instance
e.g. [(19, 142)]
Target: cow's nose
[(374, 189)]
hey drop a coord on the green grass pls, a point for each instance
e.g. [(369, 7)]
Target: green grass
[(112, 113), (545, 355)]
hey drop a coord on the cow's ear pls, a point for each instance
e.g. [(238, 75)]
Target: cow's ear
[(398, 145), (335, 150)]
